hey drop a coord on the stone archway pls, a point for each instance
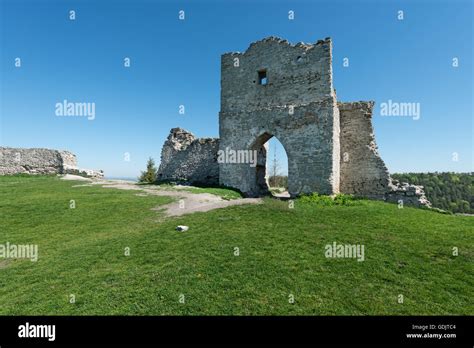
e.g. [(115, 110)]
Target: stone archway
[(260, 145), (260, 182)]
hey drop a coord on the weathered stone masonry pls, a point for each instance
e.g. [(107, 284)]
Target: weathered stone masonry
[(283, 90), (41, 161), (363, 172), (297, 105), (186, 158)]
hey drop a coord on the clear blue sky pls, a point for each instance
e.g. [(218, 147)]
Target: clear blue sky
[(176, 62)]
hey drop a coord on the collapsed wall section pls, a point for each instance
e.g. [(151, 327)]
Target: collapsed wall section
[(404, 193), (185, 158), (362, 170)]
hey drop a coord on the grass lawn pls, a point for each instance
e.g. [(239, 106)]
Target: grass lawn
[(281, 253)]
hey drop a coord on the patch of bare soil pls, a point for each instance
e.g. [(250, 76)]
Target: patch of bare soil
[(186, 203)]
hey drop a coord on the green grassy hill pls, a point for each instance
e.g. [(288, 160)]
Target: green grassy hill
[(281, 255)]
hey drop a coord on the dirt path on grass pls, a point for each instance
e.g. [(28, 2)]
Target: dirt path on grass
[(186, 202)]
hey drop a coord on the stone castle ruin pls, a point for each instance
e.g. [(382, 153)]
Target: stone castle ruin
[(276, 89)]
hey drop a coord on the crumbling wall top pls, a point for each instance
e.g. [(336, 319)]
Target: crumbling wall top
[(357, 105), (180, 138), (280, 41)]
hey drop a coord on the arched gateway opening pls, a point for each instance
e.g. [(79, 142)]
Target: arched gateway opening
[(271, 170)]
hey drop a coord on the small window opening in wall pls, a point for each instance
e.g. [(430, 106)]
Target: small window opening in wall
[(262, 77)]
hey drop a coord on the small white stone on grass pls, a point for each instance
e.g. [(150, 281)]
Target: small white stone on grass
[(182, 228)]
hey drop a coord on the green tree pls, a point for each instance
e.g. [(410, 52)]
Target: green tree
[(149, 176)]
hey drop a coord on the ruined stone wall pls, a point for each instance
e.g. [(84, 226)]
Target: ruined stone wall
[(40, 161), (34, 161), (297, 105), (187, 158), (330, 146), (363, 172)]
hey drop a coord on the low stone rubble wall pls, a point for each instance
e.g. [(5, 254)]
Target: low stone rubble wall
[(406, 194), (88, 173), (41, 161)]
